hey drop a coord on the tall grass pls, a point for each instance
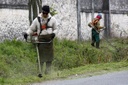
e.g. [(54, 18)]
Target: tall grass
[(18, 59), (70, 54)]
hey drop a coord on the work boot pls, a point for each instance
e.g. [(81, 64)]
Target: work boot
[(97, 45), (93, 44), (40, 75), (53, 35)]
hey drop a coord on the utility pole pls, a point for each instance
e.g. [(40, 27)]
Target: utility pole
[(78, 21)]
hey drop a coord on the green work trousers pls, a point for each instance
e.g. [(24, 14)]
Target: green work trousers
[(95, 38)]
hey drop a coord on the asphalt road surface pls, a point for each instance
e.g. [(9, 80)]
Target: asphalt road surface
[(116, 78)]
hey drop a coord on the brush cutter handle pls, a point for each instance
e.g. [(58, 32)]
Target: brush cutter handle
[(37, 42)]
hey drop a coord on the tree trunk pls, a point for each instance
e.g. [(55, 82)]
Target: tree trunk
[(34, 9), (29, 7), (39, 3)]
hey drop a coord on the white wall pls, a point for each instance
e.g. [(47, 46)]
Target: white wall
[(14, 21), (119, 25)]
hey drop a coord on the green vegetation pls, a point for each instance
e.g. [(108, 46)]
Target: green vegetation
[(18, 60), (53, 11), (70, 54)]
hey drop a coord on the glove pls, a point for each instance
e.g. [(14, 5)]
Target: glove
[(25, 35), (53, 35)]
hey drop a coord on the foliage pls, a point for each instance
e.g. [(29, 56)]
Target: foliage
[(15, 56), (53, 11), (70, 54)]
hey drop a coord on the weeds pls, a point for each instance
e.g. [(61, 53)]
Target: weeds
[(18, 59)]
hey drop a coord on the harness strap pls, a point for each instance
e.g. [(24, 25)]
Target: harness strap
[(40, 24), (46, 24)]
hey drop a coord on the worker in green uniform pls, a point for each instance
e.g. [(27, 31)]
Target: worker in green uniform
[(95, 25)]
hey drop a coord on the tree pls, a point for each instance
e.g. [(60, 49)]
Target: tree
[(34, 7)]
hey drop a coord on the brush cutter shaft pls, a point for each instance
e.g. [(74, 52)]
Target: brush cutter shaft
[(39, 64)]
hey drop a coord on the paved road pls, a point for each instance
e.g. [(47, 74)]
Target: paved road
[(116, 78)]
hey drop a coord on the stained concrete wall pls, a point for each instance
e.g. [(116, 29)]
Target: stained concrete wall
[(116, 6), (14, 2), (14, 21)]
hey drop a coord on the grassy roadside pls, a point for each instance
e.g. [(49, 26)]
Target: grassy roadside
[(82, 71), (89, 70), (18, 60)]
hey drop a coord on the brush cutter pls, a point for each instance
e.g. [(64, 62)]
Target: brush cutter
[(37, 43)]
